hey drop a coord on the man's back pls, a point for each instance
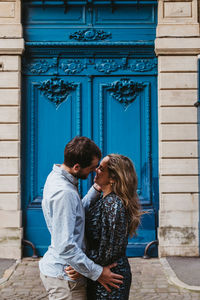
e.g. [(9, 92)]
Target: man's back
[(64, 215)]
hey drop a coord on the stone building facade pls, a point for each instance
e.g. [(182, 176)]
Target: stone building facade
[(177, 47)]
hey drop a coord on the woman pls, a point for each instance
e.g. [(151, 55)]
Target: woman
[(109, 222)]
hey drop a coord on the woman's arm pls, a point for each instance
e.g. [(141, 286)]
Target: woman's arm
[(93, 194)]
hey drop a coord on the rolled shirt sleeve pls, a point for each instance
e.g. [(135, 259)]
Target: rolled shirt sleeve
[(91, 196)]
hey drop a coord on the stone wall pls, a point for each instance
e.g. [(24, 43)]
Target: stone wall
[(11, 47), (177, 47)]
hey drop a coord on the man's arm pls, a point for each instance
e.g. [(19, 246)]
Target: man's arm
[(63, 232), (93, 194)]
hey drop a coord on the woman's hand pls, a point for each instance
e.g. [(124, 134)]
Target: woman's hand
[(72, 273)]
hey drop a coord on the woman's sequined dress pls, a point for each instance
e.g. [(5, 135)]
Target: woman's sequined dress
[(107, 239)]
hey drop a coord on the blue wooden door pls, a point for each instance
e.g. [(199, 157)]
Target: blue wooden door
[(89, 69)]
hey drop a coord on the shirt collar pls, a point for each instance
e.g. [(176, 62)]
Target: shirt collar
[(57, 168)]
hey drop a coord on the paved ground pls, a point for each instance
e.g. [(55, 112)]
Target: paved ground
[(149, 282), (5, 264), (187, 269)]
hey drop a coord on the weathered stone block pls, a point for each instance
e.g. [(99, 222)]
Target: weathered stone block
[(177, 63), (9, 201), (9, 80), (178, 149), (9, 131), (179, 167), (177, 30), (178, 114), (10, 237), (10, 96), (178, 219), (11, 46), (179, 184), (11, 252), (10, 30), (9, 184), (179, 202), (178, 251), (7, 9), (9, 149), (9, 166), (177, 97), (177, 236), (10, 63), (177, 9), (177, 81), (178, 132), (10, 219), (174, 46), (9, 114)]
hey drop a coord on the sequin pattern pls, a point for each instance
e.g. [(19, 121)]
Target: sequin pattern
[(107, 239)]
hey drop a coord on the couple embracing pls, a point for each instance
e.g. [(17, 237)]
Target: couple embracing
[(105, 217)]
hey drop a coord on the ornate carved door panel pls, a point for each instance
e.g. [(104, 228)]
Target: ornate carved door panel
[(89, 70)]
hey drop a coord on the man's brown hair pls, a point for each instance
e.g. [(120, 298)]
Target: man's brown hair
[(81, 150)]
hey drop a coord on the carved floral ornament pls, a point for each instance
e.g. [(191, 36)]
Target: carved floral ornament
[(90, 35), (139, 65), (41, 66), (56, 90), (125, 91), (143, 65), (106, 66), (73, 66)]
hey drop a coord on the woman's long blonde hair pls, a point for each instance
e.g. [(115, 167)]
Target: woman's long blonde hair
[(122, 171)]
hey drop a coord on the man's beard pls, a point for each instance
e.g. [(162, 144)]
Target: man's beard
[(80, 175)]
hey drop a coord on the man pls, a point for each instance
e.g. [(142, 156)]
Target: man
[(65, 218)]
